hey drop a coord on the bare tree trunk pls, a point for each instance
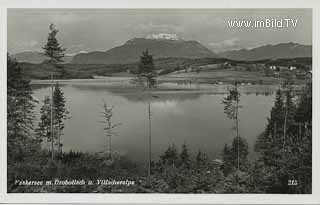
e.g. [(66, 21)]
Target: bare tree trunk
[(275, 130), (300, 131), (149, 118), (59, 139), (51, 120), (285, 128), (110, 135), (237, 125), (110, 151), (149, 163), (237, 129)]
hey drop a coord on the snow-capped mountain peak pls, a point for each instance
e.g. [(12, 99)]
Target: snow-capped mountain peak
[(163, 36)]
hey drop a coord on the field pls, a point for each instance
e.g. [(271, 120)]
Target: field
[(225, 76)]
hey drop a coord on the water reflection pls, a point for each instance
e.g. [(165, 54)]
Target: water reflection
[(178, 115)]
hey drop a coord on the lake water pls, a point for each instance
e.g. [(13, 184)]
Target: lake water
[(194, 116)]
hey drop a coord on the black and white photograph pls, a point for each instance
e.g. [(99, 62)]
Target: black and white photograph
[(179, 101)]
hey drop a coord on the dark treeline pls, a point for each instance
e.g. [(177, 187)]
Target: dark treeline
[(163, 65), (285, 148)]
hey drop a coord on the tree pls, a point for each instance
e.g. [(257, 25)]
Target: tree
[(231, 109), (20, 105), (270, 145), (288, 124), (44, 131), (146, 70), (227, 157), (184, 157), (170, 156), (270, 141), (235, 156), (52, 49), (296, 163), (276, 115), (286, 147), (146, 75), (60, 113), (55, 52), (201, 159), (107, 115), (304, 108), (280, 125)]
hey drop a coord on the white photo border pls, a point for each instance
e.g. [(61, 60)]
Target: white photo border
[(313, 198)]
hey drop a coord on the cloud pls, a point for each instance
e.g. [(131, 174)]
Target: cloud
[(168, 106), (76, 47), (67, 17), (107, 28), (31, 45), (150, 27), (231, 44), (224, 45)]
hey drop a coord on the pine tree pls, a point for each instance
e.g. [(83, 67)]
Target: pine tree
[(270, 142), (228, 158), (184, 157), (281, 125), (170, 156), (231, 109), (201, 158), (289, 112), (236, 153), (43, 131), (60, 112), (20, 105), (304, 109), (146, 70), (286, 147), (276, 115), (297, 160), (52, 49), (55, 52), (239, 149), (146, 74)]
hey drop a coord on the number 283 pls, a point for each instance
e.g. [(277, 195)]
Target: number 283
[(292, 182)]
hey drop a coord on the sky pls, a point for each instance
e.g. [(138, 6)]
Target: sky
[(102, 29)]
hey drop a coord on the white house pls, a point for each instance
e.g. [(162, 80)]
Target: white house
[(292, 67), (273, 67)]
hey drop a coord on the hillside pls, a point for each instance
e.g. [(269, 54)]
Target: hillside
[(163, 65), (158, 47), (282, 50)]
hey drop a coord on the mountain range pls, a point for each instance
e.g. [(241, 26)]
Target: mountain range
[(159, 47), (170, 45), (281, 50)]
